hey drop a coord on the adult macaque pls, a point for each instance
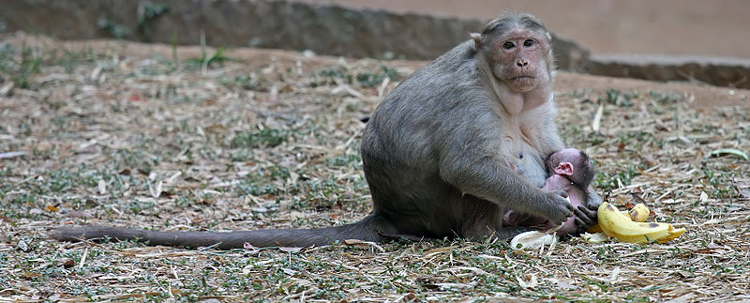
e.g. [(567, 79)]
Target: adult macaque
[(570, 171), (435, 151)]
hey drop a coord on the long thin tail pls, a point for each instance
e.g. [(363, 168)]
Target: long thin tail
[(368, 229)]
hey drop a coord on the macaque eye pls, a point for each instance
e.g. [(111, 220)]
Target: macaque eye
[(508, 45), (528, 42)]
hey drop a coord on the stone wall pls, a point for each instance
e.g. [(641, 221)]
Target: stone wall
[(323, 29)]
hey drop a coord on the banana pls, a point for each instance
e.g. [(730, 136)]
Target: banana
[(595, 228), (639, 213), (618, 225)]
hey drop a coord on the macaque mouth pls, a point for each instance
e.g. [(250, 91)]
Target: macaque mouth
[(522, 83), (521, 78)]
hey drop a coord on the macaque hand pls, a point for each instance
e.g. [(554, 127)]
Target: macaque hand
[(592, 199), (558, 208), (585, 217)]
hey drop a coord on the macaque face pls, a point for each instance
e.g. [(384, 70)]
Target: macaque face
[(518, 59)]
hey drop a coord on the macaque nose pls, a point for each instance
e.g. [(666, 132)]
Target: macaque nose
[(522, 63)]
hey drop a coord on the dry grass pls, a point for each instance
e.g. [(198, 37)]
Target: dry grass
[(124, 134)]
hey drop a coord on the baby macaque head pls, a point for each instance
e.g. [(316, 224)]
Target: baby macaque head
[(574, 164)]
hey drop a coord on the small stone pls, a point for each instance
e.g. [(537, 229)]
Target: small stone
[(68, 262), (23, 246)]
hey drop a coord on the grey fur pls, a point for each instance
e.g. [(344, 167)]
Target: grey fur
[(435, 155)]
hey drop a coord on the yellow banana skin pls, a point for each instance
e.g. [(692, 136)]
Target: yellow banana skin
[(618, 225)]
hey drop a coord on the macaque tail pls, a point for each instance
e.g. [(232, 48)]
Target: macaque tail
[(368, 229)]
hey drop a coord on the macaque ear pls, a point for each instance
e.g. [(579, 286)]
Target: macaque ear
[(564, 169), (477, 38)]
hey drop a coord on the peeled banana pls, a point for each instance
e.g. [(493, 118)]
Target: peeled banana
[(639, 213), (621, 226)]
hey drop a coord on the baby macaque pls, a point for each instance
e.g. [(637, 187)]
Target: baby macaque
[(570, 171)]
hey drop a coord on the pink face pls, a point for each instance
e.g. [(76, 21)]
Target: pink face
[(519, 59)]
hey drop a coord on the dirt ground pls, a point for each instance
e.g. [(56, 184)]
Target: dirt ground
[(675, 27), (701, 96), (147, 136)]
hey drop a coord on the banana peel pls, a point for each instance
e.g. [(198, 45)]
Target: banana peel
[(622, 226), (531, 240), (595, 238)]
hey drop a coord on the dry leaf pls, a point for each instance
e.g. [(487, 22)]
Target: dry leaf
[(291, 249), (565, 285), (102, 187), (51, 208), (78, 214), (13, 154), (532, 283), (729, 151), (355, 242), (5, 89), (597, 118), (156, 190)]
